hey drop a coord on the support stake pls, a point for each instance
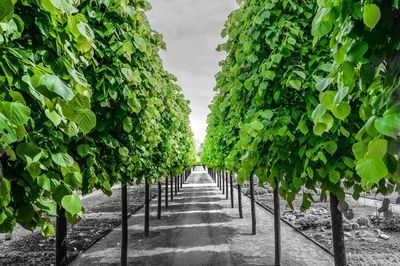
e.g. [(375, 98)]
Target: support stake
[(253, 206), (277, 224), (147, 209)]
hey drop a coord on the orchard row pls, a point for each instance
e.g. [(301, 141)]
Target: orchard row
[(308, 97)]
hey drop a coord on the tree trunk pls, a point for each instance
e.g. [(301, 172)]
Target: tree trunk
[(172, 189), (239, 188), (232, 200), (166, 192), (223, 183), (146, 209), (253, 207), (124, 240), (217, 180), (176, 187), (159, 202), (277, 224), (61, 237), (337, 232), (227, 184)]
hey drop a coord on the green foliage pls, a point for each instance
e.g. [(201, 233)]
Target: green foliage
[(295, 66), (84, 103)]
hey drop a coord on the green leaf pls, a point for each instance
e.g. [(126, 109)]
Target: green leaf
[(323, 84), (359, 150), (377, 149), (6, 9), (334, 176), (319, 111), (62, 159), (340, 94), (71, 204), (356, 51), (341, 111), (53, 84), (84, 118), (48, 206), (74, 179), (127, 124), (16, 112), (371, 15), (268, 74), (29, 152), (388, 125), (321, 29), (256, 125), (48, 229), (44, 182), (371, 170), (123, 151)]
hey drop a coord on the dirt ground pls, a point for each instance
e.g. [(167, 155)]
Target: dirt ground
[(102, 215), (370, 239)]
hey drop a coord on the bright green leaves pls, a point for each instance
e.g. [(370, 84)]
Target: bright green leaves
[(84, 118), (323, 121), (371, 166), (388, 125), (62, 159), (371, 15), (51, 86), (127, 124), (6, 9), (72, 204), (323, 84), (356, 51), (59, 6), (16, 112), (5, 189)]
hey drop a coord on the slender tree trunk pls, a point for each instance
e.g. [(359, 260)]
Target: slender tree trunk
[(277, 224), (61, 237), (223, 183), (239, 188), (337, 232), (147, 209), (124, 240), (166, 192), (217, 180), (253, 206), (232, 199), (177, 181), (159, 201), (182, 181), (176, 187), (227, 184), (172, 189)]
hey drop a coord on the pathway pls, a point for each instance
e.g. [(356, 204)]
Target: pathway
[(200, 228)]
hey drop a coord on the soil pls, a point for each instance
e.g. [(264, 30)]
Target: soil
[(370, 239), (102, 215)]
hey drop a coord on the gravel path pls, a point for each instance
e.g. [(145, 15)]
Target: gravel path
[(200, 228)]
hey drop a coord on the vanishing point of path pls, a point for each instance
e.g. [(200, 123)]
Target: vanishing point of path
[(200, 228)]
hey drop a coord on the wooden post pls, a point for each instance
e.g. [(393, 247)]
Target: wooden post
[(166, 192), (337, 232), (227, 184), (124, 240), (277, 224), (159, 202), (239, 188), (147, 209), (61, 237), (232, 200), (253, 206)]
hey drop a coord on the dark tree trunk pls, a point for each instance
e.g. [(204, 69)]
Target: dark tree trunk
[(124, 240), (231, 181), (176, 187), (253, 207), (218, 183), (223, 183), (172, 189), (227, 184), (240, 201), (166, 192), (337, 232), (147, 209), (277, 225), (177, 181), (159, 201), (61, 237)]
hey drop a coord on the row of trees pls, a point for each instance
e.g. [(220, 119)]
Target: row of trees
[(84, 104), (308, 97)]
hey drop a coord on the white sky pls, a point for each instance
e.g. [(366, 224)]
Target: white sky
[(191, 29)]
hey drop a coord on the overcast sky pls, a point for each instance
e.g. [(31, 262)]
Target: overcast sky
[(191, 29)]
